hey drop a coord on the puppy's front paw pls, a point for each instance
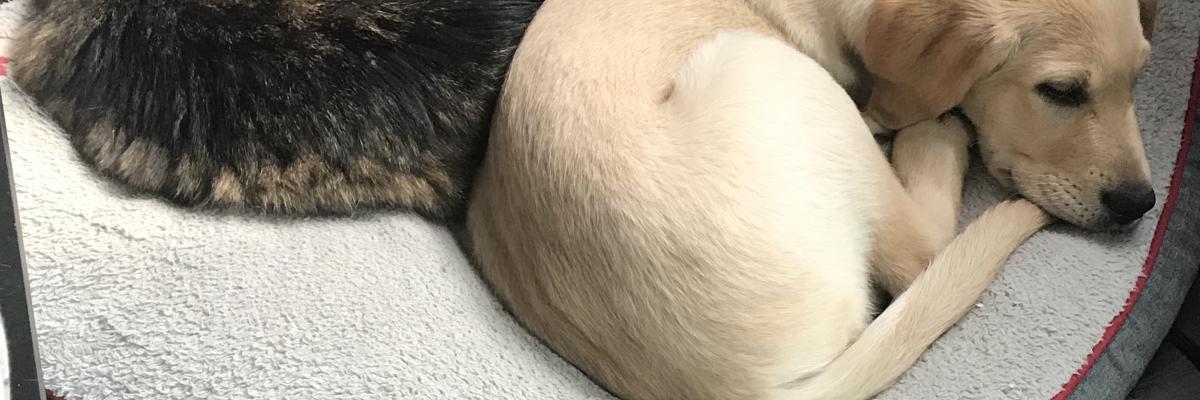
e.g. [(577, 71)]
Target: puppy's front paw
[(946, 130), (956, 119)]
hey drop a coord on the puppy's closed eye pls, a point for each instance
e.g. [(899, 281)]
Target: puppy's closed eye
[(1064, 94)]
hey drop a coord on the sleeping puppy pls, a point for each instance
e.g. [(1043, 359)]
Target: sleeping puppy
[(297, 106), (681, 199)]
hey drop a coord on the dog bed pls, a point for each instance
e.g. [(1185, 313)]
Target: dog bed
[(135, 299)]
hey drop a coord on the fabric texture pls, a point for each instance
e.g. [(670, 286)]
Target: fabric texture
[(134, 298)]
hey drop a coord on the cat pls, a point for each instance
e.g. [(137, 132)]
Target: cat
[(282, 106)]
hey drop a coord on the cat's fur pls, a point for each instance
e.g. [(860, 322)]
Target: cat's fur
[(299, 106)]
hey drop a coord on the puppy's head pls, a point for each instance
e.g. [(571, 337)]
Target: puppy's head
[(1048, 83)]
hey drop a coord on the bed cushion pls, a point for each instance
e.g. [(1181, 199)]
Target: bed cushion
[(136, 299)]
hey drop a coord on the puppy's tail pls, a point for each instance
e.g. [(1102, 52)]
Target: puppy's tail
[(936, 300)]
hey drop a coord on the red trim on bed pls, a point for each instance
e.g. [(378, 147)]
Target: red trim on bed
[(1180, 161)]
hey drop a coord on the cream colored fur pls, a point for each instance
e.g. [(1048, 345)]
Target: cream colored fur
[(682, 200)]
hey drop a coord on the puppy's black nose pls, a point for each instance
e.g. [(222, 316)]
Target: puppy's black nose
[(1128, 201)]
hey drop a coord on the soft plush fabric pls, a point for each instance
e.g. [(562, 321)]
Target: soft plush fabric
[(138, 299)]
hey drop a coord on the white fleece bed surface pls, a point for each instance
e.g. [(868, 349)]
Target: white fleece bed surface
[(136, 299)]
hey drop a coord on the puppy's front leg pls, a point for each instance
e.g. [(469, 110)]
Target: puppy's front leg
[(930, 158), (930, 161)]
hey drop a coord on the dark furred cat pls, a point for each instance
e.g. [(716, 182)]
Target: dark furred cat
[(296, 106)]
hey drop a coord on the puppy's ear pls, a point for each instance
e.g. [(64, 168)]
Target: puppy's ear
[(1149, 10), (925, 56)]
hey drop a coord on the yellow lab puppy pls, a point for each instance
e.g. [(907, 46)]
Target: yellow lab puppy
[(680, 198)]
